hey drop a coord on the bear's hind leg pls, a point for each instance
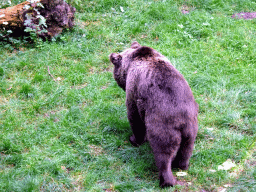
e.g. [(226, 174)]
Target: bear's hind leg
[(185, 151), (163, 163), (164, 145)]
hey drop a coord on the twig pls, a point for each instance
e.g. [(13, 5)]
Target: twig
[(50, 73)]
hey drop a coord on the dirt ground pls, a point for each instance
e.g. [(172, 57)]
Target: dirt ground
[(244, 15)]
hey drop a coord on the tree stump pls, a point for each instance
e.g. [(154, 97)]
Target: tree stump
[(47, 18)]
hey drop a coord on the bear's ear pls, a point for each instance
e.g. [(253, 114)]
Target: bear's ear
[(135, 45), (143, 52), (115, 58)]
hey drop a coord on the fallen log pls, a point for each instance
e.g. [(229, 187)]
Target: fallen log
[(46, 18)]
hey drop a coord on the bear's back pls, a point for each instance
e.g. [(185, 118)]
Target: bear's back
[(158, 84)]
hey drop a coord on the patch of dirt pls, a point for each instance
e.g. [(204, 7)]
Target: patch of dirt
[(251, 163), (244, 15), (95, 150), (109, 190), (79, 86), (182, 183), (186, 9)]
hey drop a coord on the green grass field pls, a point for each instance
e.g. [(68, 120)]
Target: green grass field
[(72, 134)]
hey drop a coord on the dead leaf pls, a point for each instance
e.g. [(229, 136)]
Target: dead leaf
[(226, 165), (181, 174)]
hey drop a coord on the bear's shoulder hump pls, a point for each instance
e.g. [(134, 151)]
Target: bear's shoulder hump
[(143, 52)]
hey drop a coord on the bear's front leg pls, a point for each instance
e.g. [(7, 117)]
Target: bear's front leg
[(137, 125)]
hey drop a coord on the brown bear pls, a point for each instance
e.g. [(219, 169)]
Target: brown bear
[(160, 105)]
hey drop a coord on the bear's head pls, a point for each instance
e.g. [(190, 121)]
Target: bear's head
[(123, 60)]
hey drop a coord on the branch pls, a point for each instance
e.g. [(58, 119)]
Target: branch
[(50, 74)]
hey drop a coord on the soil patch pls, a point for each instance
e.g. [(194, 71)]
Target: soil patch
[(244, 15)]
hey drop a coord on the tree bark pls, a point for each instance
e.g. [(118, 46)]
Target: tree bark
[(58, 14), (12, 16)]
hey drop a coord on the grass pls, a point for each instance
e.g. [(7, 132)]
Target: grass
[(72, 134)]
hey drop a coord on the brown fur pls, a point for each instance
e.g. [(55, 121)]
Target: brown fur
[(161, 107)]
